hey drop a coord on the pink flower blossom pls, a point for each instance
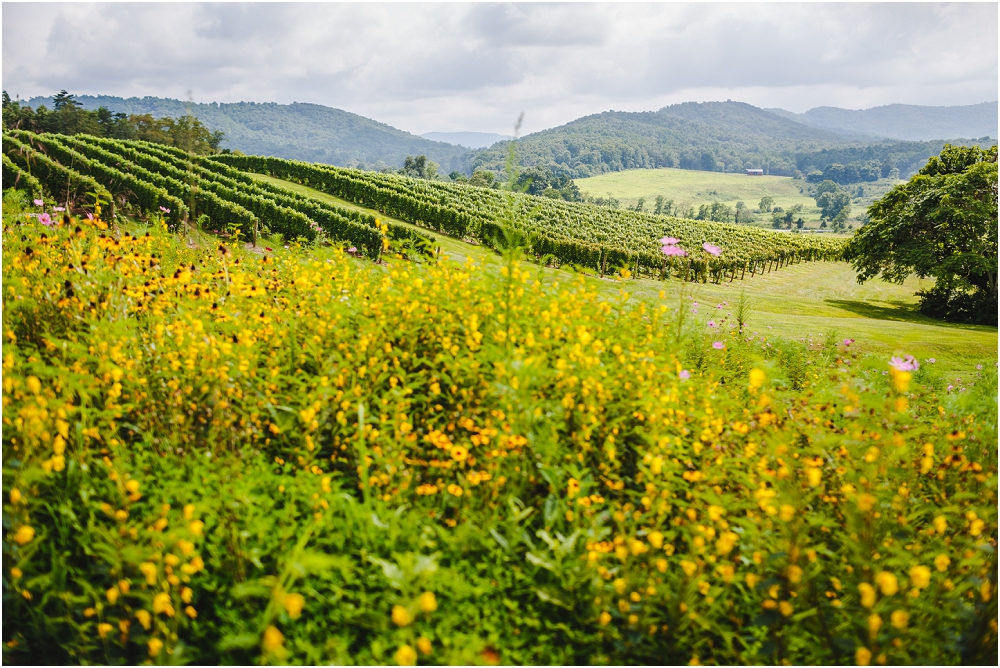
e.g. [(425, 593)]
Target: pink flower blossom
[(674, 250), (90, 217), (44, 219), (905, 363), (931, 361), (685, 374), (848, 342), (670, 241), (718, 345), (39, 202), (711, 323), (709, 248), (164, 209), (58, 208)]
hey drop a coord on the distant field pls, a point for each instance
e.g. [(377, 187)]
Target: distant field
[(687, 187)]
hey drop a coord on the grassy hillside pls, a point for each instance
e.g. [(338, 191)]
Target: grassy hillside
[(298, 131), (692, 188)]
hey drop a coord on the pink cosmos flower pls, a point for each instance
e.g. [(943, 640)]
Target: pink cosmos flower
[(718, 345), (58, 208), (905, 363), (670, 241), (711, 323), (709, 248), (90, 217), (164, 209), (848, 342), (674, 250), (44, 219), (931, 361), (39, 202), (685, 374)]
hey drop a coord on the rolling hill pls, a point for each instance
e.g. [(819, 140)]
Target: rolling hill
[(711, 136), (298, 131)]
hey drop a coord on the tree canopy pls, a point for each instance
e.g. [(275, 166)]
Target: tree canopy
[(942, 223), (67, 117)]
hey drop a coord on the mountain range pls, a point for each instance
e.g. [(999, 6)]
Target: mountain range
[(298, 131), (725, 136), (467, 139), (904, 121)]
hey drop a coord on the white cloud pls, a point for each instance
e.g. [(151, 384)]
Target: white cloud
[(476, 66)]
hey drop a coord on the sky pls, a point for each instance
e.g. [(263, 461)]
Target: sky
[(476, 66)]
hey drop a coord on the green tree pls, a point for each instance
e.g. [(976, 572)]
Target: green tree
[(716, 212), (765, 204), (743, 213), (942, 223), (834, 201), (482, 178), (664, 206)]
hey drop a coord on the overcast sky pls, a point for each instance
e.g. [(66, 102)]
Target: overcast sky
[(450, 67)]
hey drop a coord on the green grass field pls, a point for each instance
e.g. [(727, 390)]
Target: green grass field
[(804, 301), (693, 188)]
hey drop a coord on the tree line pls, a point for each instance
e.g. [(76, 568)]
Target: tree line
[(67, 117)]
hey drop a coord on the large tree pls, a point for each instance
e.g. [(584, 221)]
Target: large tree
[(942, 223)]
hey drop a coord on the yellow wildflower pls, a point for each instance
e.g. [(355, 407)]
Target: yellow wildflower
[(428, 602), (920, 576), (406, 656), (273, 639), (401, 616), (887, 582), (293, 604), (867, 594), (24, 535)]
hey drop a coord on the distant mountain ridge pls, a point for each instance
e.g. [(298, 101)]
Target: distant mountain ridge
[(298, 131), (904, 121), (467, 139)]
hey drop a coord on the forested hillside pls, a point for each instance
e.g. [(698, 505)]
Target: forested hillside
[(712, 136), (298, 131)]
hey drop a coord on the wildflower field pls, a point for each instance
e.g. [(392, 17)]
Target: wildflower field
[(216, 455)]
